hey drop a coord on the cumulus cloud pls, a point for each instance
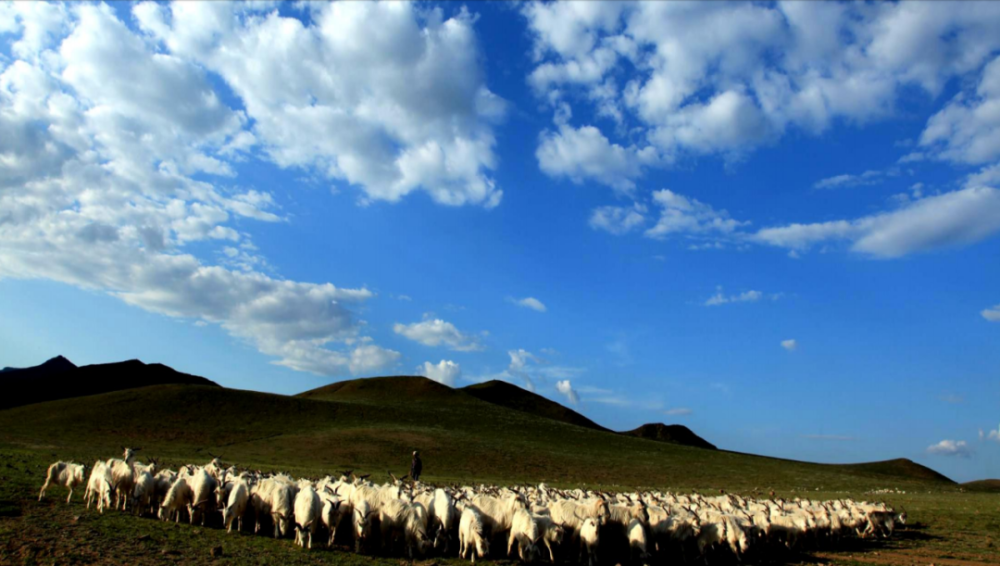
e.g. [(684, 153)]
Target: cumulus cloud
[(566, 388), (618, 219), (585, 153), (684, 215), (529, 303), (437, 332), (727, 92), (110, 167), (918, 223), (991, 314), (993, 435), (870, 177), (389, 97), (791, 345), (967, 130), (445, 371), (519, 360), (950, 448), (719, 298), (951, 219)]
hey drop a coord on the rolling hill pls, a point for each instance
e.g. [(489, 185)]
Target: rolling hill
[(513, 397), (677, 434), (372, 425), (59, 378), (406, 389), (987, 486), (381, 390)]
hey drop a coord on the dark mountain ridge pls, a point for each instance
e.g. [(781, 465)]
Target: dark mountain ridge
[(59, 378), (678, 434), (513, 397)]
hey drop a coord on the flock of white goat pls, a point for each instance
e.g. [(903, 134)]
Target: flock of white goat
[(418, 520)]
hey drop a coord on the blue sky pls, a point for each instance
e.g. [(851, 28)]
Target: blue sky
[(781, 236)]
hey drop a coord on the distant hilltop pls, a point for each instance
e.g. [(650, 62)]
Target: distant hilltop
[(417, 389), (59, 378), (492, 429)]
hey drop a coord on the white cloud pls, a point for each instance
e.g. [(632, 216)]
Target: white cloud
[(986, 177), (719, 298), (566, 389), (529, 303), (870, 177), (389, 97), (445, 371), (991, 314), (791, 345), (967, 130), (437, 332), (102, 138), (764, 70), (950, 448), (678, 412), (919, 223), (993, 435), (947, 220), (618, 219), (585, 153), (685, 215), (525, 367)]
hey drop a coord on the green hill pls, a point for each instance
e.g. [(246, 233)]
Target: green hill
[(513, 397), (986, 486), (677, 434), (364, 426), (381, 390), (59, 378), (900, 467)]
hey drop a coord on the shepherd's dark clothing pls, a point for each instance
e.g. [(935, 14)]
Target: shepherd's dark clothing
[(415, 468)]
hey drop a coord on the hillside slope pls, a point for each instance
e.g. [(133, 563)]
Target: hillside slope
[(513, 397), (51, 366), (677, 434), (985, 486), (387, 390), (59, 378), (466, 440), (899, 467)]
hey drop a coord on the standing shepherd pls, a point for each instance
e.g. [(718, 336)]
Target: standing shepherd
[(416, 466)]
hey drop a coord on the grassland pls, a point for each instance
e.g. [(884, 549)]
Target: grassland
[(372, 429)]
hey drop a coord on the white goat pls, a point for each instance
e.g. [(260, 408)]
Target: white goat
[(179, 498), (144, 492), (498, 514), (99, 486), (408, 520), (361, 521), (236, 505), (203, 493), (66, 474), (525, 532), (123, 476), (638, 548), (308, 508), (471, 536), (331, 513), (589, 539), (551, 533)]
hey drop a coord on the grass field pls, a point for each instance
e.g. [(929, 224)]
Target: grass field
[(372, 430)]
